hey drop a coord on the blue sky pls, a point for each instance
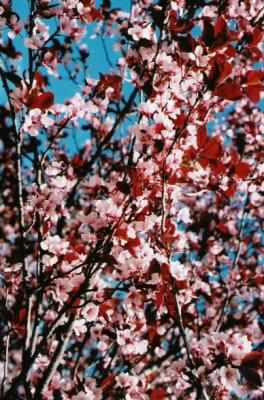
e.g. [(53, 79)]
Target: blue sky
[(65, 88)]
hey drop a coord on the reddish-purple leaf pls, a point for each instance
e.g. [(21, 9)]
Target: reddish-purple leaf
[(242, 170), (42, 101), (229, 91), (201, 136)]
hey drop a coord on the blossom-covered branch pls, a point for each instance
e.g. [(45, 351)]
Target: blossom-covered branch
[(131, 174)]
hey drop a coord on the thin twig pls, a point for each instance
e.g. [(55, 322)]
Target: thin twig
[(229, 296), (20, 205), (58, 354), (5, 369), (192, 365)]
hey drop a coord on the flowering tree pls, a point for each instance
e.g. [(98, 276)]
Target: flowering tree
[(131, 262)]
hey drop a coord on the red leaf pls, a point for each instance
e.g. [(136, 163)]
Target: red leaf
[(242, 170), (186, 43), (159, 299), (180, 121), (220, 27), (95, 15), (230, 51), (229, 91), (214, 74), (131, 244), (104, 308), (165, 271), (158, 394), (42, 101), (154, 267), (218, 168), (121, 233), (46, 227), (253, 360), (134, 242), (226, 70), (171, 304), (77, 162), (201, 136), (259, 281), (221, 33), (172, 179), (223, 228), (123, 187), (74, 305), (220, 70), (231, 190), (203, 162), (70, 257), (108, 381), (254, 77), (153, 336), (41, 81), (22, 315), (253, 92), (235, 157), (256, 37), (212, 149), (181, 284), (208, 34), (113, 81), (252, 377), (80, 248)]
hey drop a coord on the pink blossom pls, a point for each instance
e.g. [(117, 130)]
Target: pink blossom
[(90, 312), (178, 270), (136, 393), (55, 245), (39, 37), (70, 27), (138, 32), (35, 120), (80, 327), (126, 380), (147, 108)]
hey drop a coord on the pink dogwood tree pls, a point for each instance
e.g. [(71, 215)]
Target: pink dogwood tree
[(131, 212)]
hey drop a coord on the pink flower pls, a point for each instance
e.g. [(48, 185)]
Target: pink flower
[(87, 395), (55, 245), (184, 215), (16, 26), (123, 337), (147, 108), (197, 56), (126, 380), (71, 28), (39, 37), (136, 393), (141, 32), (49, 60), (238, 346), (19, 96), (35, 120), (61, 183), (79, 327), (178, 270), (90, 312), (229, 378)]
